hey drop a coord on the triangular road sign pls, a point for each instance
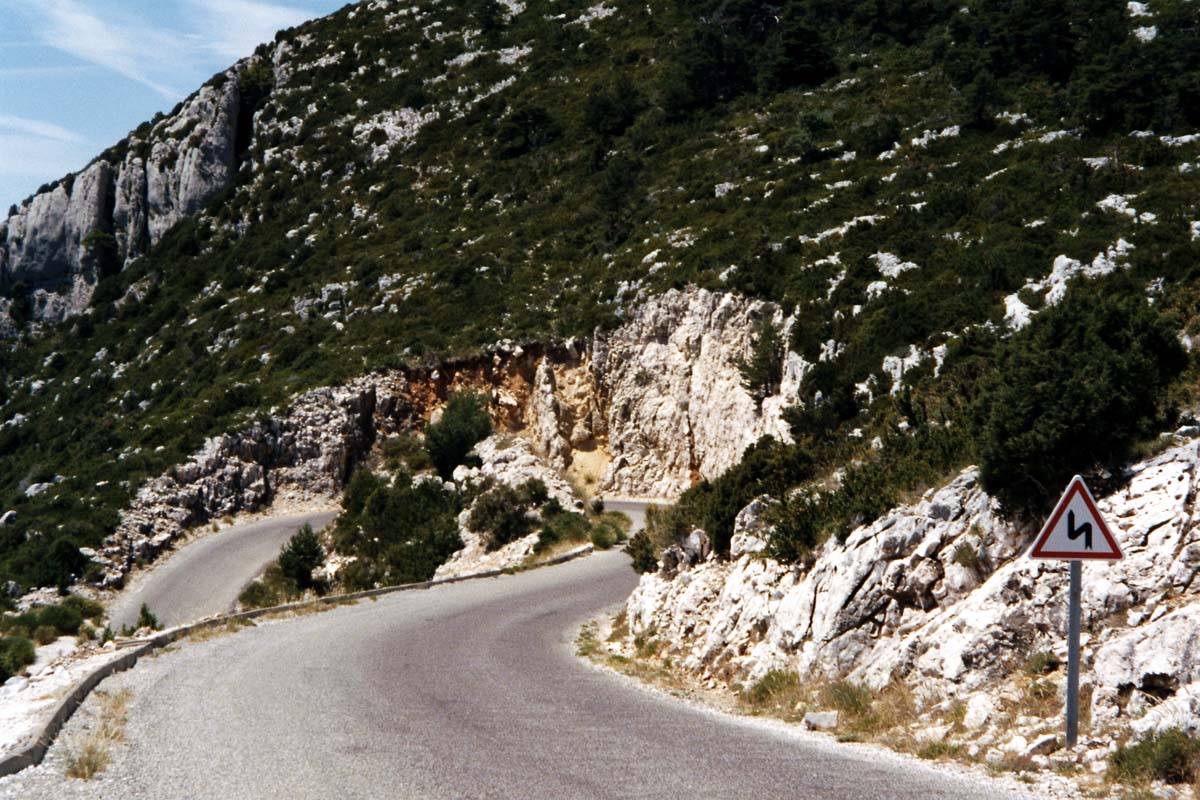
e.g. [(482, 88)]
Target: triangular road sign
[(1076, 531)]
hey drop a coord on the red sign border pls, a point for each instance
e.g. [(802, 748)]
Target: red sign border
[(1076, 486)]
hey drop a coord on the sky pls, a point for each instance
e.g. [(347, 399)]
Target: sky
[(77, 75)]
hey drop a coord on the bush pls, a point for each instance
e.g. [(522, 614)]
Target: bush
[(464, 423), (605, 535), (1073, 392), (406, 450), (147, 619), (64, 619), (641, 550), (762, 372), (398, 533), (87, 608), (258, 595), (967, 556), (300, 556), (15, 653), (1042, 663), (45, 634), (561, 526), (503, 514), (1170, 756)]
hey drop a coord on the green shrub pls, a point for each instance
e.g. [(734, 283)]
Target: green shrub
[(501, 514), (406, 451), (398, 533), (848, 698), (464, 423), (966, 555), (1073, 392), (87, 608), (45, 634), (301, 555), (641, 549), (1170, 756), (1042, 663), (561, 526), (771, 685), (15, 653), (605, 535), (64, 619), (258, 595), (763, 370), (147, 619)]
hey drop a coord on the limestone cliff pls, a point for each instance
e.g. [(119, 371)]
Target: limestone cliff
[(134, 193)]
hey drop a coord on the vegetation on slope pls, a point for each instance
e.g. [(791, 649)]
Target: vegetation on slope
[(791, 153)]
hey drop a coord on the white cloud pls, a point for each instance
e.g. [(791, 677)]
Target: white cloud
[(125, 45), (38, 129)]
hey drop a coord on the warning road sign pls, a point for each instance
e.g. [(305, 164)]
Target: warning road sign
[(1075, 530)]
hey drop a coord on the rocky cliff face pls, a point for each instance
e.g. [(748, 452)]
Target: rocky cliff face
[(939, 594), (572, 402), (185, 160), (676, 407)]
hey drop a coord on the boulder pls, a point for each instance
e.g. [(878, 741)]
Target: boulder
[(1043, 745), (821, 720)]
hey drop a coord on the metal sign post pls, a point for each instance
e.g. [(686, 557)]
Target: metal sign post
[(1075, 614), (1075, 532)]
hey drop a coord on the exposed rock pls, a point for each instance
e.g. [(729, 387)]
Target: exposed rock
[(45, 237), (932, 734), (876, 608), (676, 407), (750, 529), (1043, 745), (821, 720), (512, 462), (307, 452), (187, 160)]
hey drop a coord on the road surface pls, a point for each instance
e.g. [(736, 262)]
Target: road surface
[(634, 509), (470, 690), (205, 576)]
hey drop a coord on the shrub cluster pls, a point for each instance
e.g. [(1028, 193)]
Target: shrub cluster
[(1171, 756), (15, 653), (505, 514), (399, 530), (464, 423)]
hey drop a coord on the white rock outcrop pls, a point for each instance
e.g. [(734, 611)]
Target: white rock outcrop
[(939, 594), (186, 160), (512, 462), (676, 407)]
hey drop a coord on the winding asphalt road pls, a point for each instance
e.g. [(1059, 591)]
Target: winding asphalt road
[(470, 690), (205, 576)]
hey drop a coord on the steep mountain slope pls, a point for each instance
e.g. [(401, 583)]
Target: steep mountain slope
[(397, 185)]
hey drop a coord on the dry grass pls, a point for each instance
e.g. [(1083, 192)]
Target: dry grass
[(213, 631), (88, 758)]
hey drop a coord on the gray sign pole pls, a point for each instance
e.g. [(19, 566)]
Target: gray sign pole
[(1073, 653)]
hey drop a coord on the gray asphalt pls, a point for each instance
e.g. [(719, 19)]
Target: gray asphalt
[(470, 690), (205, 576), (634, 509)]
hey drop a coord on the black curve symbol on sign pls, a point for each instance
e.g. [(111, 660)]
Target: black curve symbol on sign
[(1084, 530)]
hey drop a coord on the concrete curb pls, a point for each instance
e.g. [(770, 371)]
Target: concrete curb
[(32, 754)]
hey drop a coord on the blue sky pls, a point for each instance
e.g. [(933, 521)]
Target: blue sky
[(77, 75)]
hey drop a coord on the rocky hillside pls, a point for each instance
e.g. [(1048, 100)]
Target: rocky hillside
[(940, 596), (692, 216)]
